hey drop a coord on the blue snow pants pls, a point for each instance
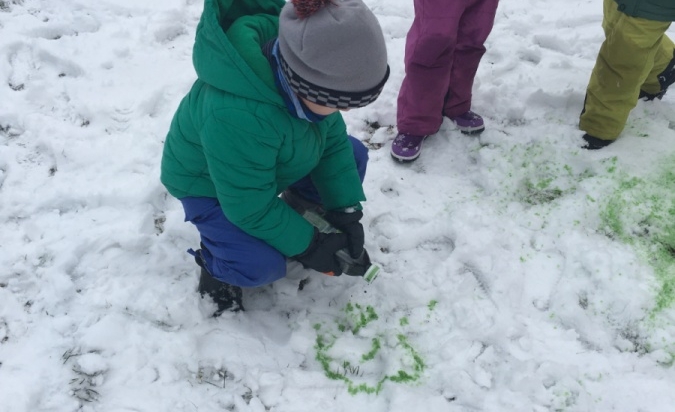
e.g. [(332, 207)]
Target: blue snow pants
[(237, 258)]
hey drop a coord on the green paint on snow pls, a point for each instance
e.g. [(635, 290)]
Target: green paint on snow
[(359, 316), (375, 348), (367, 372), (641, 213)]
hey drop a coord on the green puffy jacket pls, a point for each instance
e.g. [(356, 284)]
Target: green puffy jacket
[(233, 138), (659, 10)]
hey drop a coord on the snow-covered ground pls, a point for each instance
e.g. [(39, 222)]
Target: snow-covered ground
[(520, 273)]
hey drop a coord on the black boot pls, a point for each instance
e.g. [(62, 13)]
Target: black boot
[(666, 78), (226, 296), (594, 143)]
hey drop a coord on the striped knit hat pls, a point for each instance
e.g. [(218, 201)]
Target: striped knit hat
[(333, 52)]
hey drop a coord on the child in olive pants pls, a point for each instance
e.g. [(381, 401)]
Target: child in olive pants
[(635, 61)]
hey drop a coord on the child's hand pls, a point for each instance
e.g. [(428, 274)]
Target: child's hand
[(320, 254), (349, 223)]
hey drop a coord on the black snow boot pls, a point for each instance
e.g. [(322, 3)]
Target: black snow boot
[(227, 297), (594, 143), (666, 78)]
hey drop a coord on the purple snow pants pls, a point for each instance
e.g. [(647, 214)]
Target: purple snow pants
[(442, 52)]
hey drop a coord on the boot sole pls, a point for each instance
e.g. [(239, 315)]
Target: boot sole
[(471, 130)]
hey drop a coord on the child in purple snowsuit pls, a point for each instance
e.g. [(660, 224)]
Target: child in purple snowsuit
[(443, 49)]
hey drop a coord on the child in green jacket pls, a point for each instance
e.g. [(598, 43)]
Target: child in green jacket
[(263, 118)]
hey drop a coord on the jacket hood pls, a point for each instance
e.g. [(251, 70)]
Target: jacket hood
[(227, 51)]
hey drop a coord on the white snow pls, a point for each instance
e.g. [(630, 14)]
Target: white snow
[(520, 273)]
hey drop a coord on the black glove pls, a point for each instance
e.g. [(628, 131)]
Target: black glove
[(349, 223), (320, 254)]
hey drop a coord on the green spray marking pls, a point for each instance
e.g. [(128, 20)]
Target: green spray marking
[(351, 372), (540, 179), (418, 363), (641, 213), (375, 348), (359, 316), (539, 192)]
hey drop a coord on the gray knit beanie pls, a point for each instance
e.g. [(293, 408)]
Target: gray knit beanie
[(333, 52)]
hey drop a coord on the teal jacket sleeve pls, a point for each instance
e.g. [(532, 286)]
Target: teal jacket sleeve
[(241, 153), (336, 177)]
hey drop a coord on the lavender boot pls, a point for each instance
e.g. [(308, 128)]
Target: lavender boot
[(469, 123), (407, 147)]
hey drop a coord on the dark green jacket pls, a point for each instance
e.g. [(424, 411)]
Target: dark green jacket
[(232, 137), (660, 10)]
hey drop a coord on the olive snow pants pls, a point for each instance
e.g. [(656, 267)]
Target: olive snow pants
[(634, 53)]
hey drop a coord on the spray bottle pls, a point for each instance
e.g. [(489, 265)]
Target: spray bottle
[(361, 266)]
